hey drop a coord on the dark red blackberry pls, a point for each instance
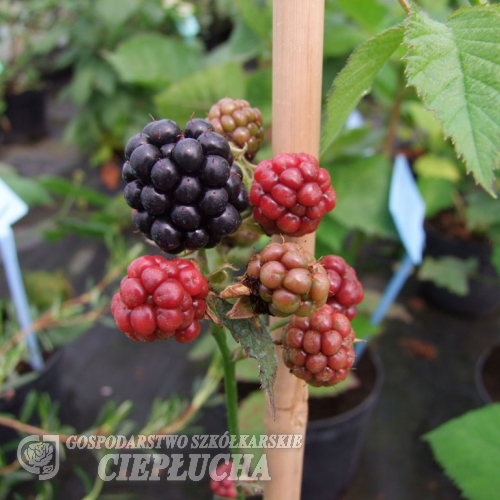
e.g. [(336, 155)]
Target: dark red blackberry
[(346, 292), (291, 194), (185, 192), (161, 299), (319, 348)]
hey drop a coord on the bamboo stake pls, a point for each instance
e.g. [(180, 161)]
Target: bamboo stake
[(298, 27)]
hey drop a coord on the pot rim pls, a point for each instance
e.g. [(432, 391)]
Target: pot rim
[(483, 249), (52, 361), (478, 374), (363, 406)]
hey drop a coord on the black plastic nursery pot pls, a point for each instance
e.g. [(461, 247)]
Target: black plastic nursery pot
[(26, 115), (48, 381), (333, 444), (484, 290), (487, 375)]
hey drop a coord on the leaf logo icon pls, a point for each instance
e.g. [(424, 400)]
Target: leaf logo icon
[(39, 454)]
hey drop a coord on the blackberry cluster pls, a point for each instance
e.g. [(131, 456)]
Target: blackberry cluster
[(224, 488), (291, 194), (160, 299), (236, 120), (319, 349), (286, 280), (345, 290), (184, 189)]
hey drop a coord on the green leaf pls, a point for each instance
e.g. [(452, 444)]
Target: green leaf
[(82, 82), (356, 79), (455, 67), (341, 37), (247, 370), (364, 328), (84, 478), (115, 12), (451, 273), (256, 340), (197, 92), (468, 448), (431, 165), (258, 15), (202, 348), (364, 184), (424, 119), (28, 189), (481, 211), (494, 235), (243, 45), (438, 194), (63, 187), (259, 93), (330, 236), (154, 59), (368, 13)]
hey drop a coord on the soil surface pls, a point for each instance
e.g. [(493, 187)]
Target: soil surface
[(453, 225)]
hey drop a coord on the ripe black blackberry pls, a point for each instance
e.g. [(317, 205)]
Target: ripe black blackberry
[(184, 189)]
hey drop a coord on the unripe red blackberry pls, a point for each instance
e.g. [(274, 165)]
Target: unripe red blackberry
[(236, 120), (284, 279), (345, 290), (291, 194), (226, 487), (184, 189), (319, 348), (160, 299)]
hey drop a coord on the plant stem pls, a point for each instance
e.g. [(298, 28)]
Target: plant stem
[(96, 490), (230, 388), (392, 127), (406, 6), (479, 2)]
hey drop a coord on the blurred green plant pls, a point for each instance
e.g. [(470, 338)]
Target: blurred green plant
[(27, 37), (468, 447)]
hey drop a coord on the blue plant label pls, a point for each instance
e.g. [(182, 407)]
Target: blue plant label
[(12, 208), (408, 209)]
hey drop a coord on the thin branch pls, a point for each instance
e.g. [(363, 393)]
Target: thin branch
[(48, 318), (406, 6), (394, 121)]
